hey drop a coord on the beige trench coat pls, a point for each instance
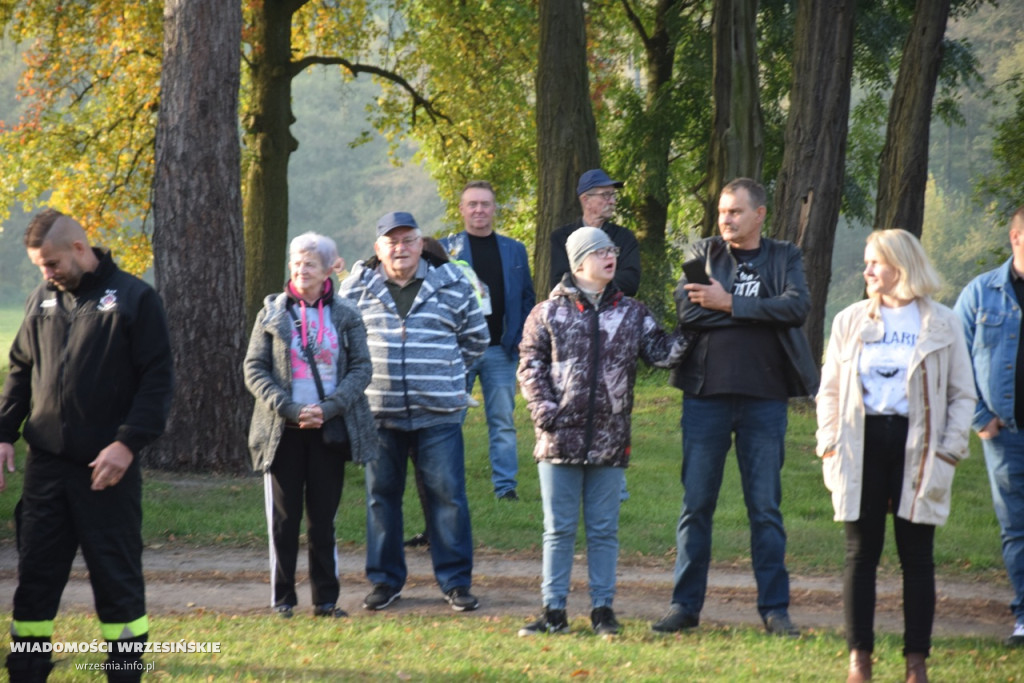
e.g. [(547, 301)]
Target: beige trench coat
[(941, 395)]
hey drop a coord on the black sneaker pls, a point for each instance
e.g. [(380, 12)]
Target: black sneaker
[(417, 541), (284, 611), (604, 622), (511, 496), (381, 596), (552, 621), (329, 609), (676, 620), (779, 624), (461, 599)]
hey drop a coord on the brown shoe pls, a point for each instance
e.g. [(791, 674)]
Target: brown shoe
[(917, 671), (860, 666)]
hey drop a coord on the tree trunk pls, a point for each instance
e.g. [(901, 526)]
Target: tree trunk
[(566, 132), (810, 182), (197, 236), (269, 140), (656, 148), (737, 136), (903, 175)]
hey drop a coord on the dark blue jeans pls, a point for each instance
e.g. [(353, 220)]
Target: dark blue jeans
[(439, 456), (759, 426)]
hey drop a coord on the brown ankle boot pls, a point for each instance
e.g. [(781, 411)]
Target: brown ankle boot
[(917, 671), (860, 666)]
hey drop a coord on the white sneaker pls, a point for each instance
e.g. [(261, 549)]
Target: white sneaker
[(1016, 638), (472, 402)]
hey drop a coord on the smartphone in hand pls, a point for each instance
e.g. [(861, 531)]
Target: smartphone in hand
[(695, 273)]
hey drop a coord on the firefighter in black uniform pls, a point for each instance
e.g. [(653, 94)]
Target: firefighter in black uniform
[(91, 370)]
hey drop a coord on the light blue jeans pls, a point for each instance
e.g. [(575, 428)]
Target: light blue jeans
[(562, 488), (1004, 456), (497, 373)]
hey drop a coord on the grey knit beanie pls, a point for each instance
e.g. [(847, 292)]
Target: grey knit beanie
[(583, 241)]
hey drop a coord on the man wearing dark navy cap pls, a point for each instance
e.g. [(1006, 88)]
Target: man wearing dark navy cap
[(598, 194)]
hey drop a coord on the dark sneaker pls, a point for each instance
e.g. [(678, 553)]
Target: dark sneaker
[(329, 609), (553, 621), (510, 496), (381, 596), (676, 620), (417, 541), (779, 624), (461, 599), (1016, 639), (284, 611), (604, 622)]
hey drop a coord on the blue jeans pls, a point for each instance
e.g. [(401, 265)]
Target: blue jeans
[(561, 489), (1004, 456), (497, 372), (439, 456), (708, 426)]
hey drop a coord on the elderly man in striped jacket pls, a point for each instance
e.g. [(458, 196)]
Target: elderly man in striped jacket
[(424, 329)]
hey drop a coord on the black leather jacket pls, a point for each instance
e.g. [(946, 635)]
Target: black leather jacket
[(780, 265)]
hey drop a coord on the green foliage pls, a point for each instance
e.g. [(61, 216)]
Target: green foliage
[(476, 62), (1005, 184), (90, 116), (961, 242)]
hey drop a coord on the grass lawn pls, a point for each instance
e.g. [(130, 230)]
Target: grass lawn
[(414, 648), (228, 511), (10, 319), (205, 509)]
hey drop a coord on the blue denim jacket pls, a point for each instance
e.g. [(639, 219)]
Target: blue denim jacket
[(990, 313)]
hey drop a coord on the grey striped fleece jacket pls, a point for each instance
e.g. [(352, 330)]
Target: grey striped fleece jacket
[(419, 362)]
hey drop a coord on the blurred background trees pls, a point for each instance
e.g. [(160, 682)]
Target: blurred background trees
[(348, 109)]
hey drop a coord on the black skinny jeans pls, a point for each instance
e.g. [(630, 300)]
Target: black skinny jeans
[(885, 438)]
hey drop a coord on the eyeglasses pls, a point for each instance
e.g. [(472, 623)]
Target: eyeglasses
[(607, 251), (391, 244), (607, 196)]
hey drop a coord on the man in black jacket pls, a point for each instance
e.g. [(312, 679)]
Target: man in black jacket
[(91, 369), (598, 194), (751, 358)]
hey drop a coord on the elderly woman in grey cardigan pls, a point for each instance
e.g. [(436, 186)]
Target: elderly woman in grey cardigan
[(307, 363)]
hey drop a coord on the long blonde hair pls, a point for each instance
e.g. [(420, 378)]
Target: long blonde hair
[(901, 250)]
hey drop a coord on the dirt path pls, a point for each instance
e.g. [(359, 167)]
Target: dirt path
[(230, 580)]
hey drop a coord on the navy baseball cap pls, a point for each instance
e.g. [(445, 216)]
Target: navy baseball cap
[(595, 178), (395, 219)]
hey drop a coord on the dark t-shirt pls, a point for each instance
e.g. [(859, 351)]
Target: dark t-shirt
[(745, 359), (1018, 386), (487, 266), (404, 296)]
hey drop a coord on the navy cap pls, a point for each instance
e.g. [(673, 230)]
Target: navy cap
[(395, 219), (595, 178)]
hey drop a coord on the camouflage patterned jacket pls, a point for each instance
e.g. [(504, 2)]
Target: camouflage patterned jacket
[(577, 368)]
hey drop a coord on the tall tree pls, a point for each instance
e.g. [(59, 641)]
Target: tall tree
[(197, 235), (93, 83), (810, 184), (737, 136), (475, 61), (903, 175), (659, 29), (566, 132)]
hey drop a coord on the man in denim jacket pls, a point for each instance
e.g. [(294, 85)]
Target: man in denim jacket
[(990, 310)]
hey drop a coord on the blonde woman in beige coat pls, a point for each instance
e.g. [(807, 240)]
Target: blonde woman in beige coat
[(894, 410)]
